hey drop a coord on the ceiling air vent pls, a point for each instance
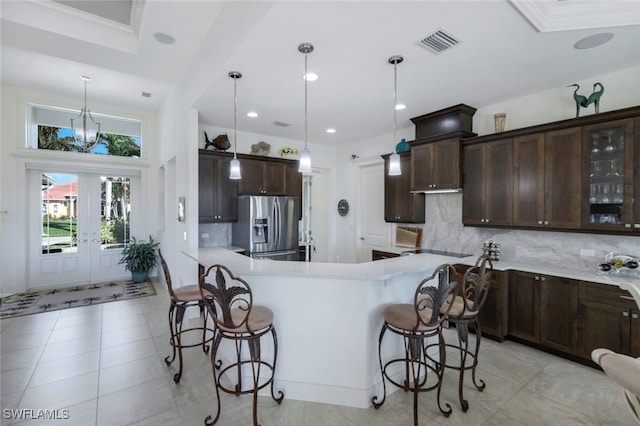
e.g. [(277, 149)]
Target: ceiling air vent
[(282, 123), (439, 41)]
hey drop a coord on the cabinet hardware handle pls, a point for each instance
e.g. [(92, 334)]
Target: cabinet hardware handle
[(636, 225), (626, 297), (481, 220), (537, 278), (542, 278), (634, 316), (546, 222), (625, 314), (627, 225), (539, 222), (486, 220)]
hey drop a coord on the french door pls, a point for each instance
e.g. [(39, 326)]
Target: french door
[(78, 225)]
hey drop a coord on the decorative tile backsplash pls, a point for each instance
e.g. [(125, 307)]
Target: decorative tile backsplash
[(443, 230)]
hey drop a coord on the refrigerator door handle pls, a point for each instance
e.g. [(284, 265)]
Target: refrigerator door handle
[(276, 208)]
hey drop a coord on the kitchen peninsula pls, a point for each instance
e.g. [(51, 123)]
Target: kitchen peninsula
[(328, 315)]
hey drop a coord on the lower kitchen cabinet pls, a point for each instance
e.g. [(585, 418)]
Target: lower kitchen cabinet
[(559, 313), (609, 318), (524, 306), (493, 314), (379, 255)]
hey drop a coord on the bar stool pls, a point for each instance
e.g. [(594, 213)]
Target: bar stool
[(229, 300), (181, 299), (463, 310), (415, 323)]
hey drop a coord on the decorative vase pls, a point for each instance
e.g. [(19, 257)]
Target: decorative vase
[(403, 146), (499, 120)]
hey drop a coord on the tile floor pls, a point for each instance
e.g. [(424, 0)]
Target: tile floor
[(104, 364)]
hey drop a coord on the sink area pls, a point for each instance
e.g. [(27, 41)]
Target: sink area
[(439, 252)]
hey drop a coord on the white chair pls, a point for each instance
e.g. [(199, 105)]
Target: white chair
[(623, 369)]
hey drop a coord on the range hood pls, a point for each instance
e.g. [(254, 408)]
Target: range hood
[(438, 191)]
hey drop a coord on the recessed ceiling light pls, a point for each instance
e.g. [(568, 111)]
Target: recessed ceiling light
[(164, 38), (400, 106), (593, 41), (331, 130), (252, 114), (310, 76)]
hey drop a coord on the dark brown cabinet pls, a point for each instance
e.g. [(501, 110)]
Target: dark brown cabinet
[(547, 179), (609, 159), (262, 177), (524, 306), (379, 255), (543, 309), (487, 176), (400, 204), (217, 194), (493, 314), (559, 313), (609, 318), (436, 165)]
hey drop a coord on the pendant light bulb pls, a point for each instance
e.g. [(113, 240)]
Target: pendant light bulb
[(305, 156), (235, 163), (394, 159)]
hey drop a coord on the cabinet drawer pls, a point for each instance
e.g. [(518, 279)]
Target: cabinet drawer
[(605, 293)]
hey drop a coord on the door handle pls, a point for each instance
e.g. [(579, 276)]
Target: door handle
[(83, 241), (95, 240)]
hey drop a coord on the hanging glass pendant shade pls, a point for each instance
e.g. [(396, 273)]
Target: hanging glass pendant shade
[(235, 163), (305, 156), (394, 159)]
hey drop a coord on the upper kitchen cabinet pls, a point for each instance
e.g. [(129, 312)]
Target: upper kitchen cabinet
[(609, 170), (217, 194), (436, 165), (436, 153), (267, 176), (400, 204), (547, 179), (487, 180)]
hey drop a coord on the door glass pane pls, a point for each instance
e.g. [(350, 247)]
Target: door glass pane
[(59, 203), (115, 211), (606, 176)]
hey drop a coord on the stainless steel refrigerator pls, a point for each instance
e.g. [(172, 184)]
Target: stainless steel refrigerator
[(267, 227)]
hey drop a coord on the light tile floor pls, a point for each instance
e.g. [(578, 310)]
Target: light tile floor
[(104, 364)]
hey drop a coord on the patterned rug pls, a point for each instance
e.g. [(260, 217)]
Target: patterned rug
[(36, 301)]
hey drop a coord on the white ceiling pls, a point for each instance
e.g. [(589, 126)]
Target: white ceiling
[(507, 49)]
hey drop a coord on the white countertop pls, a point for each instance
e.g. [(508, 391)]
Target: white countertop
[(378, 271), (382, 269)]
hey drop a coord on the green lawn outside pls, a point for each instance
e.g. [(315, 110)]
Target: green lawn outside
[(59, 228)]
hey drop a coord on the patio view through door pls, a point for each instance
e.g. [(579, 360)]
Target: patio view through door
[(78, 225)]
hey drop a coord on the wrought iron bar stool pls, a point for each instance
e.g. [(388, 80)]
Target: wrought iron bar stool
[(463, 310), (415, 323), (229, 300), (181, 299)]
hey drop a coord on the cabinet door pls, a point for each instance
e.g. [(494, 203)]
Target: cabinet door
[(226, 193), (562, 181), (447, 164), (559, 313), (473, 196), (528, 180), (422, 167), (603, 326), (634, 335), (492, 314), (524, 306), (636, 176), (252, 178), (400, 205), (275, 178), (607, 169), (206, 188), (498, 182), (294, 181)]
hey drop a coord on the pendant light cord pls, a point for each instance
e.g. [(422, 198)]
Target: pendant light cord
[(395, 97), (305, 99), (235, 117)]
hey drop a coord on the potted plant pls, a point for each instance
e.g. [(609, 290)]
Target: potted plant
[(139, 257)]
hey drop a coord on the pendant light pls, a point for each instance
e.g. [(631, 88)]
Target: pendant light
[(394, 159), (305, 155), (87, 137), (235, 163)]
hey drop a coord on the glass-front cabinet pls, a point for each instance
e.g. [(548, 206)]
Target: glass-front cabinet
[(608, 171)]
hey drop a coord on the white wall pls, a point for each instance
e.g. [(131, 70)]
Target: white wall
[(13, 173)]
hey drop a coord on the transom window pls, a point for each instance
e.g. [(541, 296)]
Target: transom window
[(49, 128)]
